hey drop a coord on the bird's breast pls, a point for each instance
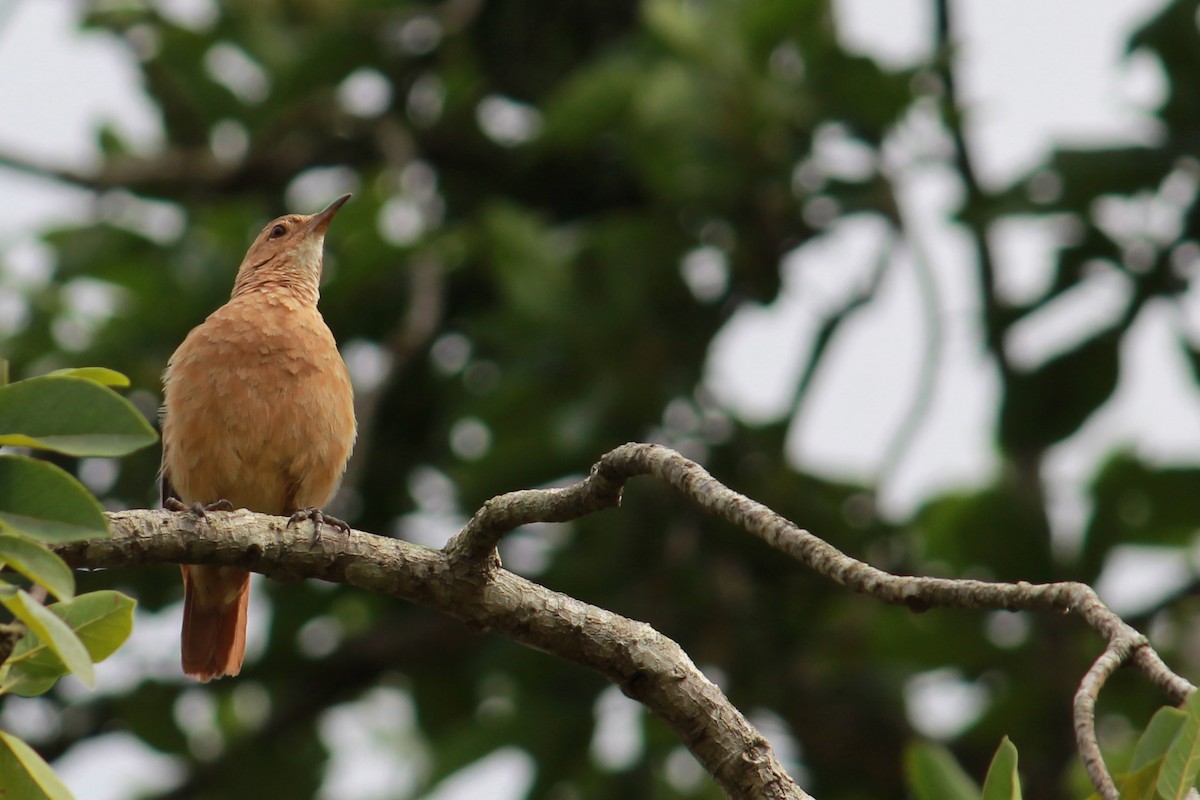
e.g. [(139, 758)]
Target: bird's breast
[(258, 410)]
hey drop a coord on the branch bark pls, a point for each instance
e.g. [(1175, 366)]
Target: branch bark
[(646, 665), (466, 580)]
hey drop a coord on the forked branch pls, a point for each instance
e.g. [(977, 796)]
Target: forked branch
[(466, 581)]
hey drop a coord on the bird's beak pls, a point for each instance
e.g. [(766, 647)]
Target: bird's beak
[(318, 222)]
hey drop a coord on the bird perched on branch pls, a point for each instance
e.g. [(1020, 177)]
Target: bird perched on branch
[(258, 413)]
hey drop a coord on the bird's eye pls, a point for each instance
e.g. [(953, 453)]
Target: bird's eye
[(277, 231)]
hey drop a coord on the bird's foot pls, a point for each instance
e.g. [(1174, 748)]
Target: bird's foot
[(318, 518), (199, 509)]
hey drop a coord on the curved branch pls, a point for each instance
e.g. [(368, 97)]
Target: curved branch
[(1085, 714), (646, 665), (1125, 644), (465, 580), (830, 326), (931, 359), (177, 166)]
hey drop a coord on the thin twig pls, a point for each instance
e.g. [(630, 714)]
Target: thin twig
[(1086, 741), (833, 323), (976, 198), (930, 362)]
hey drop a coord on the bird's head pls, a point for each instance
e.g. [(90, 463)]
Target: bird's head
[(288, 252)]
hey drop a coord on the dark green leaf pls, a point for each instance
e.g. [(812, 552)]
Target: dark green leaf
[(40, 500), (35, 561), (1139, 503), (1002, 781), (1154, 742), (1182, 761), (1007, 534), (102, 621), (933, 774), (1139, 785), (47, 630), (25, 775), (1088, 174), (1050, 402), (71, 415)]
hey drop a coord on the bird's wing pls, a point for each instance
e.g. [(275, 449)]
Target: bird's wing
[(165, 485)]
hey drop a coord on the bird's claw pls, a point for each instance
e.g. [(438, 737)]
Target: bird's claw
[(199, 509), (318, 518)]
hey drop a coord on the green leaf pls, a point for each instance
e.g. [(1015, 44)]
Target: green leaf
[(1013, 540), (1182, 761), (679, 25), (591, 101), (102, 620), (51, 631), (1154, 742), (35, 561), (42, 501), (1002, 781), (71, 415), (530, 261), (26, 775), (100, 375), (1088, 174), (30, 681), (1139, 503), (1052, 401), (1142, 784), (933, 774)]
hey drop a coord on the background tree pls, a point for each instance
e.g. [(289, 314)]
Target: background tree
[(557, 210)]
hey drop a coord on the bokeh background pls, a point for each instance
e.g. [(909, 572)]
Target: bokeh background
[(919, 275)]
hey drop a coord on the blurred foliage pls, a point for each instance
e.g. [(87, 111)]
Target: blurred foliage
[(510, 285), (1162, 765)]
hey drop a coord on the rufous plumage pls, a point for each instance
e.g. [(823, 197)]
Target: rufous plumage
[(257, 411)]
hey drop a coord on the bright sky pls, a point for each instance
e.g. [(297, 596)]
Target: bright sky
[(1034, 74), (1024, 94)]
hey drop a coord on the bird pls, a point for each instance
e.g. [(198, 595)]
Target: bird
[(258, 413)]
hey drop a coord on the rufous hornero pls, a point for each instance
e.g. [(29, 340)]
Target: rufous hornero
[(257, 413)]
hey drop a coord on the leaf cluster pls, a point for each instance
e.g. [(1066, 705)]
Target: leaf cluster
[(72, 412)]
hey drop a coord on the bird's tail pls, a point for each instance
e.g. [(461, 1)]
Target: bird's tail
[(214, 620)]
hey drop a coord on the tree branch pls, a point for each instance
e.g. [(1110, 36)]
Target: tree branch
[(976, 199), (646, 665), (930, 363), (830, 326), (1085, 716), (465, 580)]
